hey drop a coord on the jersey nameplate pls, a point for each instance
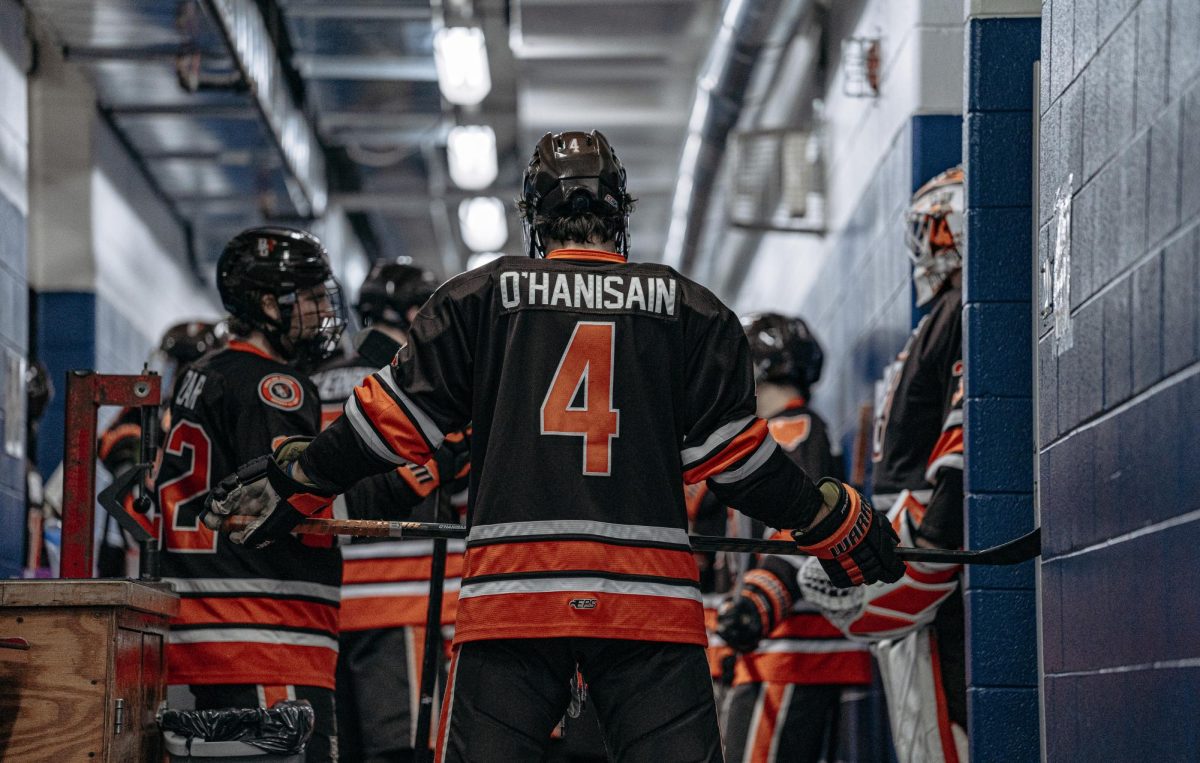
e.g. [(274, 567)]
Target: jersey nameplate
[(190, 389), (588, 291)]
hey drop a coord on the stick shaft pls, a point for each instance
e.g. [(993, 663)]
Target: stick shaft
[(1013, 552)]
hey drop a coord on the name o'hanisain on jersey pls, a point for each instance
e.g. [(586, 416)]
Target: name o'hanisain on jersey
[(588, 291)]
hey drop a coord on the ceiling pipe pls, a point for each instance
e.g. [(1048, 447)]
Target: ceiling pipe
[(720, 91), (784, 99)]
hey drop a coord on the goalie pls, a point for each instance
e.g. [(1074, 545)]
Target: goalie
[(915, 624)]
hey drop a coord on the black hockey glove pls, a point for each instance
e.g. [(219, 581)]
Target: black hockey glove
[(453, 460), (854, 544), (740, 623), (755, 611), (264, 488)]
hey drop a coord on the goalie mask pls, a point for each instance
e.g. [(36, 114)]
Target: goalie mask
[(783, 350), (570, 174), (933, 233), (390, 290), (291, 267)]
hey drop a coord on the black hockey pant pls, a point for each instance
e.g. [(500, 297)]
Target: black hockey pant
[(654, 700)]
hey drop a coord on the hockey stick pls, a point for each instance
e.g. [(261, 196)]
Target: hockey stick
[(1014, 551)]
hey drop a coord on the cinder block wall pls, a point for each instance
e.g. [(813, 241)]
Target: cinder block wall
[(1119, 413)]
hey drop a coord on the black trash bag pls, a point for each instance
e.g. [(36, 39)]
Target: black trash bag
[(285, 728)]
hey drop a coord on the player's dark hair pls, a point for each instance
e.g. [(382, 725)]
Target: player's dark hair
[(583, 228)]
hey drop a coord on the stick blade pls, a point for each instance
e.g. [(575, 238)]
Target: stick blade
[(1015, 551)]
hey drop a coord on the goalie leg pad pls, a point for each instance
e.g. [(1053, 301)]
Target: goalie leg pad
[(922, 731)]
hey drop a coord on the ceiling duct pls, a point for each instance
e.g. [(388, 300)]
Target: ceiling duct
[(720, 91)]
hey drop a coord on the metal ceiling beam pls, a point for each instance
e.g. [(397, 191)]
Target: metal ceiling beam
[(323, 9), (393, 68), (214, 110)]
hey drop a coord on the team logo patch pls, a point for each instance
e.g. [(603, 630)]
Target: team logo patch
[(583, 603), (281, 391)]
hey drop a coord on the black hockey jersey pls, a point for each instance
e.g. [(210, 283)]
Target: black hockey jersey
[(596, 387), (385, 583), (247, 616), (918, 444)]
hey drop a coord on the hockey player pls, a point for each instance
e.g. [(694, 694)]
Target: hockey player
[(254, 626), (787, 685), (596, 387), (916, 623), (385, 585)]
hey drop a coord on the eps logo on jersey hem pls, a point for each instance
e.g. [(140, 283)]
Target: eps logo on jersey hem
[(281, 391), (583, 603)]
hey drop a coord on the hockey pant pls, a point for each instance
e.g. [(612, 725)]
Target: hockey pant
[(925, 681), (770, 722), (322, 746), (379, 693), (654, 700)]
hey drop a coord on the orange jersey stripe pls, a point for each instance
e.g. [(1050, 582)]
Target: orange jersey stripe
[(550, 615), (805, 625), (738, 448), (261, 611), (391, 422), (371, 612), (396, 569), (250, 663), (849, 667), (950, 441), (564, 555), (111, 437)]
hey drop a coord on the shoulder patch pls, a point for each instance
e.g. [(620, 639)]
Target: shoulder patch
[(281, 391), (791, 431)]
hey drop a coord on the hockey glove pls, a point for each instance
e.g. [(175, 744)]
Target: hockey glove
[(264, 488), (754, 612), (854, 544)]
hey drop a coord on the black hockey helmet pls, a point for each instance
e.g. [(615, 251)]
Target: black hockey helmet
[(391, 288), (783, 350), (186, 342), (39, 390), (281, 262), (573, 173)]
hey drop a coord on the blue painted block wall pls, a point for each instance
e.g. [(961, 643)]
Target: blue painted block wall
[(997, 139), (1118, 414), (14, 340)]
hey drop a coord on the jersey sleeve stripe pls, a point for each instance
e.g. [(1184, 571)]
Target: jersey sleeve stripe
[(953, 419), (947, 453), (366, 433), (741, 446), (428, 428), (581, 584), (716, 440), (751, 465)]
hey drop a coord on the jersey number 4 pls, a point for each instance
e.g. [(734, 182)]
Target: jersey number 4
[(580, 399), (184, 532)]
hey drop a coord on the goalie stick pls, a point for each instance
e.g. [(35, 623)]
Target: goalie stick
[(1015, 551)]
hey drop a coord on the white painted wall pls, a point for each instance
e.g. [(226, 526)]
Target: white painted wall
[(922, 70)]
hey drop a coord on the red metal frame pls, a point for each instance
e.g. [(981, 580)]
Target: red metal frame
[(86, 392)]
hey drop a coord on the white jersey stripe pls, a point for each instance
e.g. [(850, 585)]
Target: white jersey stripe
[(420, 417), (405, 549), (409, 588), (581, 584), (253, 636), (808, 646), (645, 533), (757, 459), (367, 433), (948, 461), (256, 587), (714, 441)]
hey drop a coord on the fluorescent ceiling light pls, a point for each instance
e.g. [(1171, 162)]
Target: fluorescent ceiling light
[(471, 154), (482, 258), (460, 55), (483, 223)]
